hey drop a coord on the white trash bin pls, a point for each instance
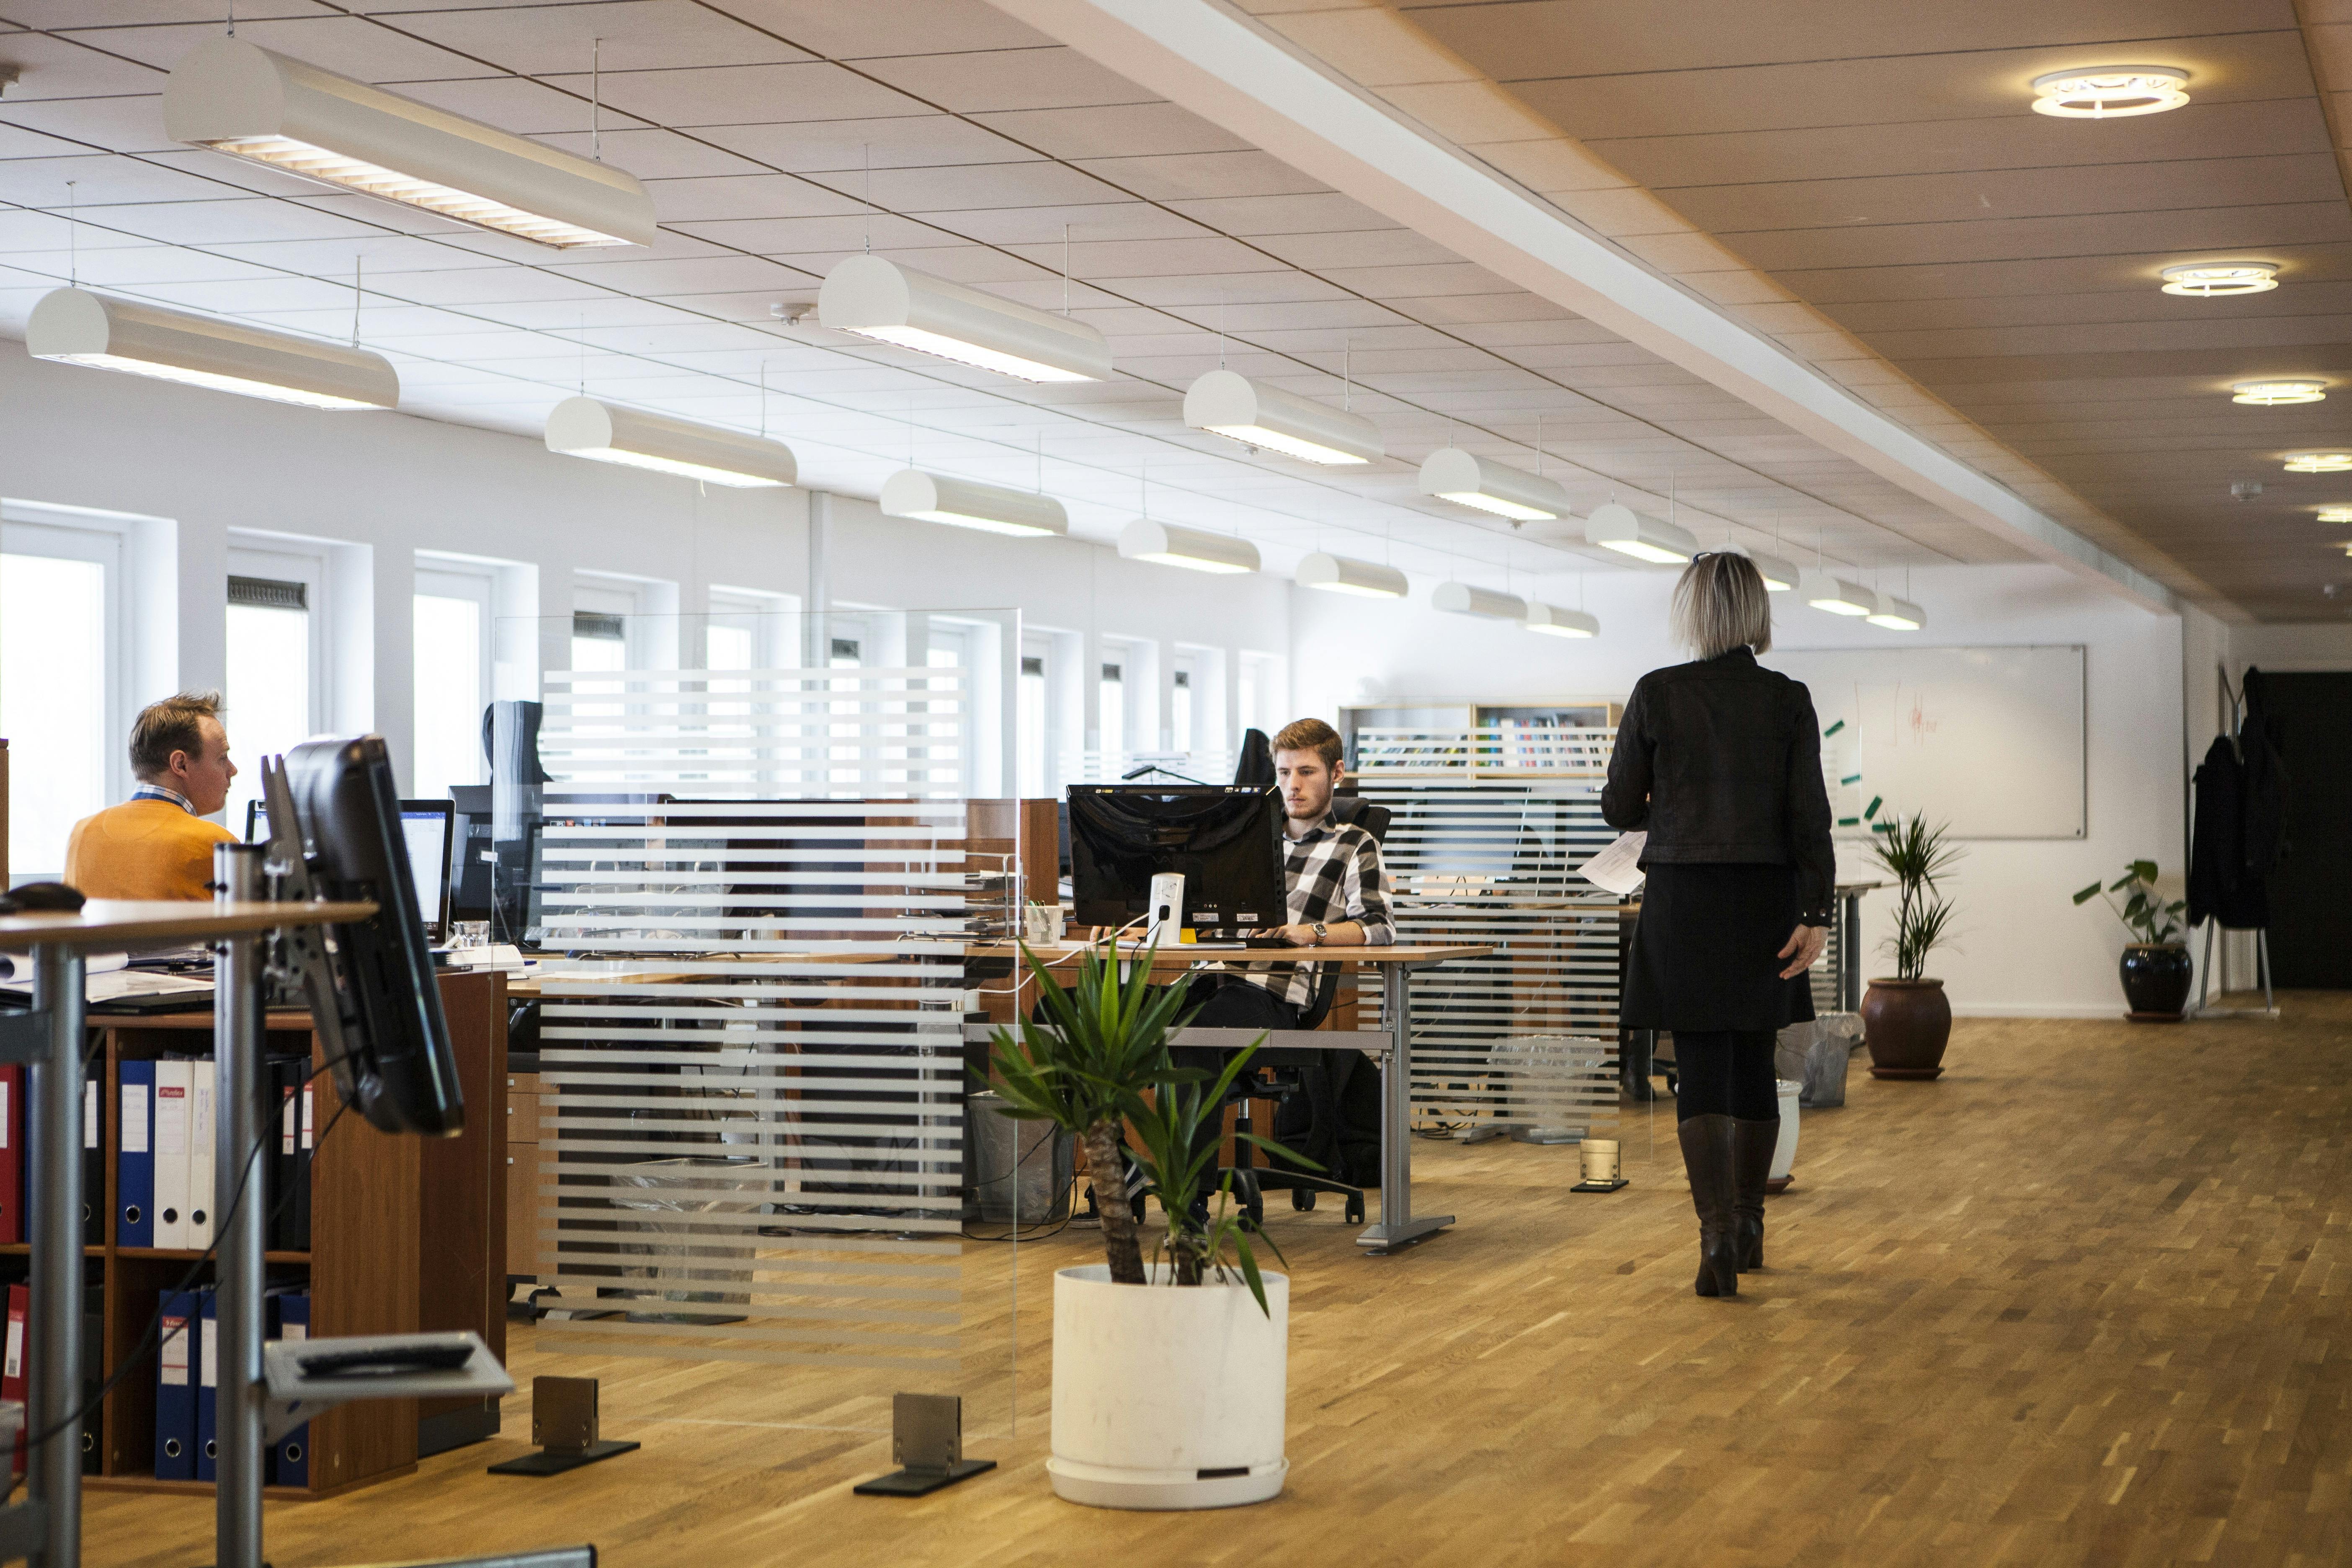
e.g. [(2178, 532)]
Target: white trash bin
[(1784, 1153)]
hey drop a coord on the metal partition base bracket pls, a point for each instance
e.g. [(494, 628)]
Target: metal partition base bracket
[(1397, 1227), (555, 1461), (926, 1439), (922, 1483)]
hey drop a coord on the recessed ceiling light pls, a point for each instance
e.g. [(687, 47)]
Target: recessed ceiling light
[(2208, 279), (2336, 514), (2320, 463), (2272, 394), (2110, 92)]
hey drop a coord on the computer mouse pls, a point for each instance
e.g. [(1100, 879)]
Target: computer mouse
[(44, 897)]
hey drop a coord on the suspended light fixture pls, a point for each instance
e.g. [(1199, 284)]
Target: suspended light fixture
[(2320, 463), (1338, 574), (894, 304), (1462, 599), (240, 99), (2272, 394), (1622, 529), (1145, 540), (1553, 621), (1899, 615), (1466, 479), (1229, 404), (2110, 92), (1827, 591), (2219, 279), (966, 503), (73, 326), (2336, 514), (1778, 575), (585, 427)]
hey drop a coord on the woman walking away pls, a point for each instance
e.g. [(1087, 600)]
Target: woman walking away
[(1720, 761)]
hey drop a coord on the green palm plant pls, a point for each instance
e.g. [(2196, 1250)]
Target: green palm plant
[(1917, 857), (2144, 913), (1178, 1154)]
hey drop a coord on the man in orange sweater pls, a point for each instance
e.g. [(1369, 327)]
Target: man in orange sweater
[(157, 844)]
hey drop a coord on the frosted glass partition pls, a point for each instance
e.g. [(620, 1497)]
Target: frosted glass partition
[(762, 898)]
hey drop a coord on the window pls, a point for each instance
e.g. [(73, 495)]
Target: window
[(1031, 770), (61, 687), (452, 685), (275, 666), (1180, 710), (1112, 713)]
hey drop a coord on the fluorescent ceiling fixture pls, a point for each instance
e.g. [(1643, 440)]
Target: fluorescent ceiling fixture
[(1827, 591), (2320, 463), (1256, 415), (2110, 92), (1462, 599), (584, 427), (2336, 514), (1144, 540), (2213, 279), (73, 326), (1338, 574), (965, 504), (241, 98), (1899, 615), (1778, 575), (894, 304), (1553, 621), (1452, 474), (2271, 394), (1619, 528)]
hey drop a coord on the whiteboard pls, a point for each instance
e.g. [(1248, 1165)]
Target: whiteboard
[(1989, 739)]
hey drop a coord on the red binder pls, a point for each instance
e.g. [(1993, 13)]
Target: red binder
[(11, 1363), (12, 1156)]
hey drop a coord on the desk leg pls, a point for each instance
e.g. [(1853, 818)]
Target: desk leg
[(237, 1120), (1850, 955), (54, 1469), (1397, 1227)]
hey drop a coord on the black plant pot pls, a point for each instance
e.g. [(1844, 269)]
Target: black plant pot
[(2156, 981)]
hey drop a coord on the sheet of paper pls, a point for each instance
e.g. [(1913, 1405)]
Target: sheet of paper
[(124, 983), (1618, 868)]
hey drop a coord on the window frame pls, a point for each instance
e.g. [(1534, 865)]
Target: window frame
[(108, 549), (436, 578)]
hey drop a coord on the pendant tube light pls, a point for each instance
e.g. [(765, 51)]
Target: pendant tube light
[(1622, 529), (2320, 463), (1160, 542), (1339, 574), (1827, 591), (1256, 415), (240, 99), (893, 304), (1553, 621), (1467, 480), (1463, 599), (967, 503), (585, 427), (74, 326), (1899, 615), (1778, 575)]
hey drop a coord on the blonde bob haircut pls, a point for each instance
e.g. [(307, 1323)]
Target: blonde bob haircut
[(1720, 604)]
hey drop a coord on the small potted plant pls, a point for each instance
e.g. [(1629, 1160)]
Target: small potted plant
[(1163, 1398), (1906, 1021), (2156, 968)]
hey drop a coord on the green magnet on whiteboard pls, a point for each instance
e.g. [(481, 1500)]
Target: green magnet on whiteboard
[(1876, 802), (1833, 728), (1851, 778), (1849, 822)]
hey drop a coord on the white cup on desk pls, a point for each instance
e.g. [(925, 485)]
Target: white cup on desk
[(1041, 925)]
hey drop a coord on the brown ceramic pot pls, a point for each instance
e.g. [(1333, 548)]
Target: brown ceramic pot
[(1906, 1024)]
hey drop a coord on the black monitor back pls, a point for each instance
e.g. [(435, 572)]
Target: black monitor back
[(1225, 841), (396, 1067)]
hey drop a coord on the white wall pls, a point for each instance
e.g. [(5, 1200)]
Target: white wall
[(2022, 948)]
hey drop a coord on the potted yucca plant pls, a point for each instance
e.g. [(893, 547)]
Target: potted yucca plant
[(1169, 1373), (1906, 1021), (2156, 968)]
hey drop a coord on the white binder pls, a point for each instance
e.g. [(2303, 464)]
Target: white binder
[(174, 1111), (202, 1198)]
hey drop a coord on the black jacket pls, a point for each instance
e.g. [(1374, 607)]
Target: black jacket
[(1721, 762)]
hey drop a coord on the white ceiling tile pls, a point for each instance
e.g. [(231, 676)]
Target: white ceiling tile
[(904, 27), (19, 142), (484, 285), (1113, 131), (651, 154), (745, 95), (346, 46), (638, 35), (1186, 176), (55, 14), (979, 185), (655, 278), (908, 141), (722, 196), (523, 107), (100, 183), (1090, 221), (791, 236), (1001, 80), (53, 67), (244, 218)]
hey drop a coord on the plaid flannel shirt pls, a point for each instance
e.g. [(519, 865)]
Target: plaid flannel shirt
[(1332, 873)]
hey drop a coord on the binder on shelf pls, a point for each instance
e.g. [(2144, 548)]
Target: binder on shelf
[(201, 1152), (93, 1165), (289, 1456), (11, 1363), (134, 1173), (208, 1386), (93, 1337), (175, 1389), (289, 1227), (12, 1156), (175, 1087)]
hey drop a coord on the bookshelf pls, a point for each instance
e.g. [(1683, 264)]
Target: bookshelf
[(373, 1199)]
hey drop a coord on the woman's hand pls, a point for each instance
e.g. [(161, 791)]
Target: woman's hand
[(1806, 942)]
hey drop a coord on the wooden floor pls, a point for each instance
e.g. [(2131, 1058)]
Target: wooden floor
[(2086, 1300)]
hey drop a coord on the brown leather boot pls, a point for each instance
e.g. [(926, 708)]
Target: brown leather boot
[(1707, 1156), (1752, 1143)]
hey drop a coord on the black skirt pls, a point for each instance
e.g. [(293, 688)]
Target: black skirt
[(1704, 951)]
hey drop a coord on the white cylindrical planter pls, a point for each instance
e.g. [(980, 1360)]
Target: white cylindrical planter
[(1784, 1153), (1167, 1397)]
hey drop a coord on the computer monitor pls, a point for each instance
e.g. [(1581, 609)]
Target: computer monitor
[(427, 825), (374, 999), (1224, 840)]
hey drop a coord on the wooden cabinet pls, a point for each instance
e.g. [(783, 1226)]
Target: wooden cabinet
[(522, 1177)]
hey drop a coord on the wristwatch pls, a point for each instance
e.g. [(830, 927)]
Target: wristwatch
[(1320, 933)]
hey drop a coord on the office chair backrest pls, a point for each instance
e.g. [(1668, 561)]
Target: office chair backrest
[(1373, 820)]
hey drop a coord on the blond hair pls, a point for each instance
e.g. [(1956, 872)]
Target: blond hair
[(1721, 604), (175, 724)]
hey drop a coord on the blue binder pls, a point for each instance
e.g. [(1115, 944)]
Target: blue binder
[(175, 1389), (289, 1456), (134, 1217), (208, 1388)]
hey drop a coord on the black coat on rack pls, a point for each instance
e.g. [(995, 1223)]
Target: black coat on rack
[(2239, 828)]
